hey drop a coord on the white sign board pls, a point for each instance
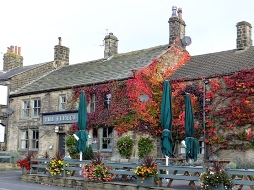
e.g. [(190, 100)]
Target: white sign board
[(3, 95), (2, 132)]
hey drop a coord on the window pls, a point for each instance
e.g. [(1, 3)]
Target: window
[(183, 147), (29, 139), (25, 108), (92, 104), (23, 139), (36, 107), (34, 139), (107, 139), (107, 99), (62, 103)]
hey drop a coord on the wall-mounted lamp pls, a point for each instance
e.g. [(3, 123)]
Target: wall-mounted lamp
[(50, 147), (58, 129)]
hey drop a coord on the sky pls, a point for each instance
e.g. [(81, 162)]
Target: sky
[(139, 24)]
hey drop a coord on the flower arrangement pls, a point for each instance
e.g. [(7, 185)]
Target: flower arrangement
[(97, 170), (147, 169), (125, 146), (55, 166), (214, 176), (25, 163)]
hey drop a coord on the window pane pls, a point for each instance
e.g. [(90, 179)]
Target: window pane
[(107, 138), (34, 139), (23, 139), (36, 107), (62, 102)]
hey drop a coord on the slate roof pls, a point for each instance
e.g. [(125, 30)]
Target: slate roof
[(117, 67), (215, 64), (17, 70)]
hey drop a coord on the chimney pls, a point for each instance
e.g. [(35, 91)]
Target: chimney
[(19, 50), (12, 58), (111, 45), (176, 25), (243, 39), (61, 54)]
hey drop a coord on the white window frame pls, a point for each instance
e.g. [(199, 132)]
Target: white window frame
[(36, 107), (106, 138), (25, 108), (62, 102), (23, 142), (34, 139)]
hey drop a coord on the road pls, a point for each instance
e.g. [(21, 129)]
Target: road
[(10, 180)]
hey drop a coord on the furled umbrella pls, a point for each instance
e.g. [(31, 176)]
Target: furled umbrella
[(166, 120), (192, 144), (82, 120)]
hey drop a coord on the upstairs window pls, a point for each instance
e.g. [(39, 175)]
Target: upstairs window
[(25, 108), (107, 100), (91, 106), (36, 107), (62, 103)]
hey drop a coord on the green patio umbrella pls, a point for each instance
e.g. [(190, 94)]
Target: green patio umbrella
[(166, 120), (82, 120), (192, 144)]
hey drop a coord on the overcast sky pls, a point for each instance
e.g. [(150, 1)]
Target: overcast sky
[(35, 25)]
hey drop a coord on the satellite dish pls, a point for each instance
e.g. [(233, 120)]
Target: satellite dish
[(143, 98), (186, 41)]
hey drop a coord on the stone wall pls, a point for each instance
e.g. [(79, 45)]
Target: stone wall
[(78, 183), (47, 135), (11, 61), (24, 78)]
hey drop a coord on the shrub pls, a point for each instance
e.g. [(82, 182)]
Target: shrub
[(71, 144), (145, 146), (88, 154), (125, 146)]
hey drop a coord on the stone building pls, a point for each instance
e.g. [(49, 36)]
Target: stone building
[(42, 102)]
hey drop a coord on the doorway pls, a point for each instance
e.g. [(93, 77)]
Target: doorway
[(61, 143)]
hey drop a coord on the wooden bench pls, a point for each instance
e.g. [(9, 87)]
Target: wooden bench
[(39, 163), (122, 168), (246, 177), (6, 156), (186, 173), (74, 165)]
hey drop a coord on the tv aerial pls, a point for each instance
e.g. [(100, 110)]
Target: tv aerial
[(186, 41)]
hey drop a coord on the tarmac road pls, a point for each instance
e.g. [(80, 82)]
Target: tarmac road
[(10, 180)]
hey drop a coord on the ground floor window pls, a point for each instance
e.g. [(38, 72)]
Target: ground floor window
[(183, 147), (101, 138), (29, 139)]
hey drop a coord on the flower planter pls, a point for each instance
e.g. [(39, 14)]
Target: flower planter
[(220, 187), (25, 171), (148, 182)]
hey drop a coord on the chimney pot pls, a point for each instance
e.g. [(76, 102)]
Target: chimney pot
[(59, 41), (16, 50), (180, 13), (19, 50), (174, 8)]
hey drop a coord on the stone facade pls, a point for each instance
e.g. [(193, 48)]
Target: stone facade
[(243, 35), (26, 77)]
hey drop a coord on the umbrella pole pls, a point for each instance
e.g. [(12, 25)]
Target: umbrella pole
[(80, 165)]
